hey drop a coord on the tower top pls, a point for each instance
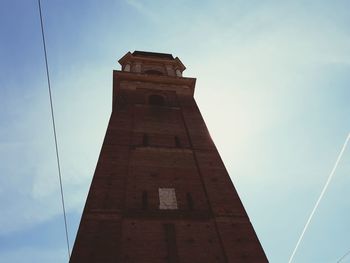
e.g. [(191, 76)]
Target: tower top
[(152, 54), (152, 63)]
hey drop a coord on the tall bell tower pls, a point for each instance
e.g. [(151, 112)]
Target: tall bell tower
[(160, 192)]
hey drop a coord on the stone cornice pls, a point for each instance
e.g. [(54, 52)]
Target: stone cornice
[(119, 76)]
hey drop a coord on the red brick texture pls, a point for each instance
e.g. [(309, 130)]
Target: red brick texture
[(148, 147)]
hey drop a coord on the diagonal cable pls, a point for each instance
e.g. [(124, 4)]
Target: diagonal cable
[(344, 256), (319, 198), (54, 128)]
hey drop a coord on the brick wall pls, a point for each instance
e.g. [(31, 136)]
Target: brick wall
[(166, 146)]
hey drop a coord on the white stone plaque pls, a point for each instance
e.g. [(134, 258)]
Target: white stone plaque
[(167, 198)]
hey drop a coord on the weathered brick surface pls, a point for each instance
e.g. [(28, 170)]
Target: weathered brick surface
[(148, 147)]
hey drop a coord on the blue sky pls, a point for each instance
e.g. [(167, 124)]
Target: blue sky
[(273, 85)]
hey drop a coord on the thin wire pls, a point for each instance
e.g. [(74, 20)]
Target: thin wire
[(320, 197), (54, 128), (344, 256)]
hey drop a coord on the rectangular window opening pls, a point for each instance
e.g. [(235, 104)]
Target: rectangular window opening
[(144, 200), (189, 201), (145, 140), (170, 239), (177, 142)]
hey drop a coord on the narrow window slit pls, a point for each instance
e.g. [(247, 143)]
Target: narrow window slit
[(177, 142), (189, 201), (144, 200), (170, 239), (145, 140)]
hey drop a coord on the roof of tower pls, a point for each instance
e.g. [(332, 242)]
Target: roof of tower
[(138, 53), (145, 55)]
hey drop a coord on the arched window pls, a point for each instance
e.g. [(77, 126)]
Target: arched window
[(153, 72), (127, 67), (156, 100), (178, 73)]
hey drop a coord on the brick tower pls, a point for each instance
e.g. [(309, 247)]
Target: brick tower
[(160, 192)]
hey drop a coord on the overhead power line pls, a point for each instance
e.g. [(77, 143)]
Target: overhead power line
[(54, 128), (319, 198)]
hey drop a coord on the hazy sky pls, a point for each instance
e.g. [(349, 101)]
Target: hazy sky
[(273, 85)]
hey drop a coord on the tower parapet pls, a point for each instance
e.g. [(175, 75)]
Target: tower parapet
[(152, 63)]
